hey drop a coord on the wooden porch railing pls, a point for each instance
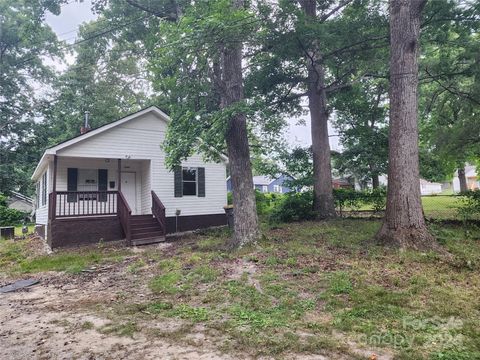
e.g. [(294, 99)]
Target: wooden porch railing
[(82, 203), (158, 210), (124, 214)]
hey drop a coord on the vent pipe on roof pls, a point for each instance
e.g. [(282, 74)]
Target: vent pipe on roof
[(86, 127)]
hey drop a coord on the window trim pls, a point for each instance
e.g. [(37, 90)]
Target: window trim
[(44, 189), (190, 181)]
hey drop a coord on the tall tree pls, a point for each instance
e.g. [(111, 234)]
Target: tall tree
[(404, 223), (323, 201), (25, 40), (199, 69), (231, 83), (362, 124), (307, 54)]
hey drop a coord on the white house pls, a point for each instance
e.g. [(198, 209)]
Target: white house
[(430, 188), (112, 183), (473, 181)]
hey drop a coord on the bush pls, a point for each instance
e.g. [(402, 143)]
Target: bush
[(265, 201), (469, 207), (349, 198), (9, 217), (294, 207)]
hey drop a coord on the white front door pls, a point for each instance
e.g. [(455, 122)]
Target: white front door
[(128, 190)]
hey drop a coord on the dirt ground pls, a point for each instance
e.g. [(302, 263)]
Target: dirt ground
[(67, 316)]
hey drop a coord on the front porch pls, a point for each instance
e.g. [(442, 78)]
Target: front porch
[(94, 199)]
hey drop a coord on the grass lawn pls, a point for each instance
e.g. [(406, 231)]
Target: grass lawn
[(436, 207), (18, 230), (310, 287)]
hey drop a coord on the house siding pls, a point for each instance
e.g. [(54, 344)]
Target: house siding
[(41, 212)]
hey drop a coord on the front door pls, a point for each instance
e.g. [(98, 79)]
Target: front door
[(128, 190)]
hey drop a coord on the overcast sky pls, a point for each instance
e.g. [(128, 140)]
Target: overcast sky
[(75, 13)]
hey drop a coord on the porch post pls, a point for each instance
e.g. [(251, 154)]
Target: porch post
[(119, 175), (53, 205), (54, 185)]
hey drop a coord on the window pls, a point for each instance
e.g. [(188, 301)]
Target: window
[(44, 189), (189, 181), (277, 188), (264, 188), (87, 181), (38, 194)]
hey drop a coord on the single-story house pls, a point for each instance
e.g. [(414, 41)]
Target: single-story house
[(20, 202), (341, 183), (267, 184), (473, 181), (430, 188), (112, 183)]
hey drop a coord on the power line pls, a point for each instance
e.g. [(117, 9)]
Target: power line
[(99, 34)]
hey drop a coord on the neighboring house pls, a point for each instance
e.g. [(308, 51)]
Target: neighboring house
[(20, 202), (473, 181), (341, 184), (430, 188), (266, 184), (112, 183)]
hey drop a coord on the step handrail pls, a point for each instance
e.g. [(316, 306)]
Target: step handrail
[(124, 215), (158, 211)]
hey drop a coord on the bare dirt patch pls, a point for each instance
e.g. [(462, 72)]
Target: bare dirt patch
[(58, 320)]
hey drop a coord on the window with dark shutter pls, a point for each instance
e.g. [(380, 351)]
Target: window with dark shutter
[(178, 181), (201, 182), (189, 181), (72, 178), (102, 184)]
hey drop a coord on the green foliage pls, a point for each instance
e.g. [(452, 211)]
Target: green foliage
[(25, 40), (349, 198), (294, 207), (10, 217), (362, 124), (469, 207), (299, 206), (265, 201)]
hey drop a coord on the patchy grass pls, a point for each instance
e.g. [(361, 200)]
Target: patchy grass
[(18, 230), (20, 257), (311, 287)]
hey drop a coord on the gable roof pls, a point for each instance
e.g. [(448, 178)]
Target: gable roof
[(53, 150), (262, 180)]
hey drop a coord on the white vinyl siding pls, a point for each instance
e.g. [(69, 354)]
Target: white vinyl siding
[(41, 211), (141, 139)]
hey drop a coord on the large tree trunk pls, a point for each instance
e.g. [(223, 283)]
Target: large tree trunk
[(323, 202), (462, 179), (375, 182), (245, 229), (404, 223)]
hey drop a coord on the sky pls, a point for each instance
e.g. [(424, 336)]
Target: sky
[(75, 13)]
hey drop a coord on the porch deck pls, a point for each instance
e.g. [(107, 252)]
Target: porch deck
[(107, 210)]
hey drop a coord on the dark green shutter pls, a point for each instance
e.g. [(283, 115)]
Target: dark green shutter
[(72, 179), (102, 184), (201, 182), (178, 181)]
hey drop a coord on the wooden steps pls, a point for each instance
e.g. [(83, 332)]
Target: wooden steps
[(145, 229)]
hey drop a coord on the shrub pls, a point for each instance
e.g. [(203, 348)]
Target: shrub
[(469, 207), (354, 200), (294, 207), (9, 217), (265, 201)]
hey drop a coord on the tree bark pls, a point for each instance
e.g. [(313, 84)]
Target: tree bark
[(404, 224), (463, 179), (245, 229), (323, 202), (375, 182)]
